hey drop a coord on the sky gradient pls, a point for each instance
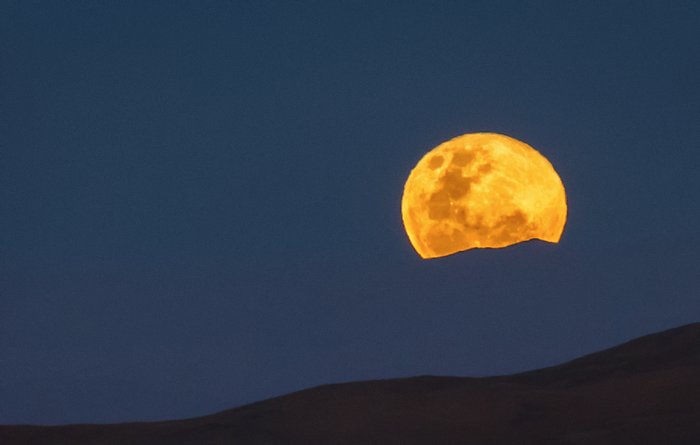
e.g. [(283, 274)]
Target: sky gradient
[(200, 201)]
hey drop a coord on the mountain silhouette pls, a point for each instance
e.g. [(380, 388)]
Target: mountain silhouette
[(646, 391)]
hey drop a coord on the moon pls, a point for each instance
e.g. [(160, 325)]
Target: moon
[(482, 190)]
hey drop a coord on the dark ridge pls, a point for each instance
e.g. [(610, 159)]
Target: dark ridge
[(672, 348), (645, 391)]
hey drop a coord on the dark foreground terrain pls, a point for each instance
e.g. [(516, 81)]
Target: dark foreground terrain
[(646, 391)]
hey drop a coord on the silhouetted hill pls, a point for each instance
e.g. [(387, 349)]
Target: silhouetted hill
[(646, 391)]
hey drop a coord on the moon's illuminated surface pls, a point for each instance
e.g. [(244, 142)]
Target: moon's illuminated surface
[(482, 190)]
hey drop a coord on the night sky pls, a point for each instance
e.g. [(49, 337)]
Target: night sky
[(200, 201)]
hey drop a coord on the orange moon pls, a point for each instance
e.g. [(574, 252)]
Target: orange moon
[(482, 190)]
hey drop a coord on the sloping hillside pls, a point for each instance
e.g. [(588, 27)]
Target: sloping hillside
[(646, 391)]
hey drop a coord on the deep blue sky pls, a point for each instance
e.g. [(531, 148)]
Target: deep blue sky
[(200, 201)]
